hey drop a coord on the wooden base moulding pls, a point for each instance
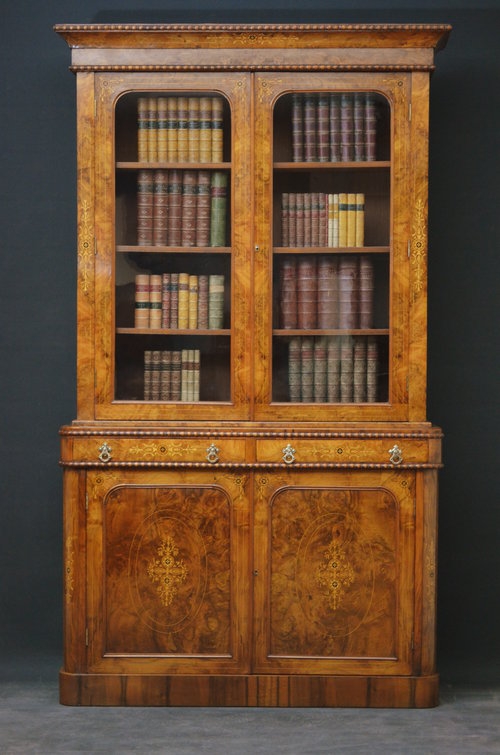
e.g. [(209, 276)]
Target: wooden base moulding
[(265, 691)]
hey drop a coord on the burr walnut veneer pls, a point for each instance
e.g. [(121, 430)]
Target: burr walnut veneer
[(268, 539)]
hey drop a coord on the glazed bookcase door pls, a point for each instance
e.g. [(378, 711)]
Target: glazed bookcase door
[(332, 269), (172, 238), (334, 555), (172, 552)]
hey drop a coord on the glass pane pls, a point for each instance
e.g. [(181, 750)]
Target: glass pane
[(173, 257), (331, 235)]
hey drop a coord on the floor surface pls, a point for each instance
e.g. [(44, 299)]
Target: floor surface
[(32, 721)]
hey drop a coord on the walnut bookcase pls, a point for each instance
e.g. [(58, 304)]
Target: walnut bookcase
[(250, 485)]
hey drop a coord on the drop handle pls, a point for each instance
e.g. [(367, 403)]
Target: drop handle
[(212, 454), (288, 454), (105, 453), (395, 455)]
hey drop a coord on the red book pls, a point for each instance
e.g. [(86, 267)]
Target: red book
[(160, 207), (335, 128), (174, 207), (288, 293), (188, 217), (366, 287), (306, 292), (144, 208), (297, 128), (370, 127), (348, 292), (328, 315), (346, 128), (359, 128), (310, 128), (323, 128)]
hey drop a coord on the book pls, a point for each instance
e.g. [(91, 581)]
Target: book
[(182, 130), (165, 300), (193, 302), (203, 208), (218, 208), (306, 292), (217, 129), (327, 292), (165, 375), (145, 197), (142, 307), (348, 289), (288, 293), (152, 130), (161, 139), (310, 128), (188, 211), (193, 129), (205, 130), (323, 128), (294, 369), (142, 129), (215, 302), (174, 207), (148, 366), (202, 302), (160, 207), (172, 375), (155, 301), (183, 302), (172, 129), (334, 128), (297, 128)]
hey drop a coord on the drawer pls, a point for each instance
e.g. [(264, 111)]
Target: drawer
[(389, 450), (152, 450)]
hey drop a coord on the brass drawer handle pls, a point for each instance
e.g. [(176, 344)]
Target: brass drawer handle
[(396, 455), (105, 453), (288, 454), (212, 454)]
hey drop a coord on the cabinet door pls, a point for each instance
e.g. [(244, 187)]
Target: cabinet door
[(170, 203), (167, 572), (334, 560), (333, 199)]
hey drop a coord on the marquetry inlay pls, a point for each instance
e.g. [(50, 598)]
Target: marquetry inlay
[(167, 571)]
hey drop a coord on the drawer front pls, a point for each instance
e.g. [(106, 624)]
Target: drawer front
[(153, 450), (394, 451)]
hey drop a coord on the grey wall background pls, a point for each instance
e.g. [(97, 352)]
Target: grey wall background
[(37, 303)]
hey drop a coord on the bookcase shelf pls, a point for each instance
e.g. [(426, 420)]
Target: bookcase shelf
[(250, 483)]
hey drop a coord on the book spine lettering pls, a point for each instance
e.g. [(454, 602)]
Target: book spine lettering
[(172, 129), (142, 129), (142, 293), (160, 207), (205, 130), (152, 130), (193, 129), (297, 128), (217, 129), (203, 209), (145, 208), (188, 216), (174, 207), (182, 130), (218, 209), (162, 130), (215, 302)]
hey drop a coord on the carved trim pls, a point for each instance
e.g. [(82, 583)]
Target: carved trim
[(433, 433), (81, 464), (359, 67)]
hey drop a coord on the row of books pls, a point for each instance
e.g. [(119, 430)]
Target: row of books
[(319, 219), (329, 127), (172, 375), (333, 369), (179, 301), (180, 129), (181, 208), (326, 291)]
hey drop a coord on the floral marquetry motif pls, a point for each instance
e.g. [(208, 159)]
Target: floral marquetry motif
[(167, 571), (336, 574)]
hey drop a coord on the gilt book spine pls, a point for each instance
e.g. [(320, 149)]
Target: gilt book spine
[(152, 130), (288, 293), (203, 302), (193, 302), (145, 199), (323, 138), (218, 208), (155, 301), (285, 219), (172, 129), (320, 369), (160, 207), (297, 128), (310, 132), (174, 207), (203, 202), (162, 130), (188, 212), (142, 129), (335, 153), (307, 370), (174, 300), (165, 300), (346, 128), (327, 292), (142, 307), (193, 129), (215, 302), (205, 152), (306, 292), (294, 369), (182, 130), (183, 302), (217, 129), (148, 366), (166, 376)]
